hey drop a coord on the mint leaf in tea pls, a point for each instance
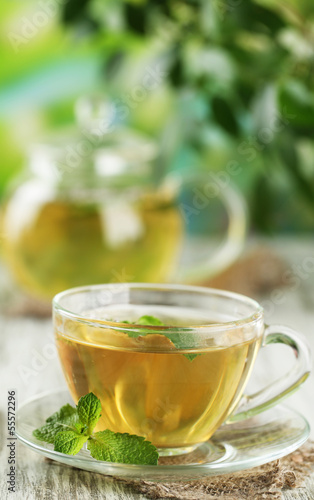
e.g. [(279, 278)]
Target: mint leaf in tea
[(150, 321), (70, 428), (178, 340)]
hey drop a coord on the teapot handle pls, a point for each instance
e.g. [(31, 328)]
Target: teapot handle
[(233, 243)]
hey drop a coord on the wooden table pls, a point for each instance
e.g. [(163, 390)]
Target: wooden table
[(29, 365)]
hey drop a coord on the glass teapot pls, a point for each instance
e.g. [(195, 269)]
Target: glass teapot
[(94, 207)]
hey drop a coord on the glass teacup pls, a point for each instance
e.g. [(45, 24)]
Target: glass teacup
[(174, 384)]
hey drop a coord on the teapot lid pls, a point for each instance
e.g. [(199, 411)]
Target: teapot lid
[(97, 152)]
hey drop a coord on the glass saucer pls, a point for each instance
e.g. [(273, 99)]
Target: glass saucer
[(234, 447)]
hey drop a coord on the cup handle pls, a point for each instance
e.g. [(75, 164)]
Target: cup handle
[(231, 247), (270, 395)]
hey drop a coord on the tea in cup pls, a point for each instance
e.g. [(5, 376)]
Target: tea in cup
[(168, 362)]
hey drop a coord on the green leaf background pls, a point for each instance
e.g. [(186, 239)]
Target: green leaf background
[(231, 68)]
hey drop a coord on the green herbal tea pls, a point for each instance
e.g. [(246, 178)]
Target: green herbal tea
[(58, 245), (156, 391)]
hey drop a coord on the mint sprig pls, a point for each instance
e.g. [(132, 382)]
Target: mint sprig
[(70, 428), (178, 339)]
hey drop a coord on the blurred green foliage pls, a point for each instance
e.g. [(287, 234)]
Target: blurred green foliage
[(43, 70), (241, 74), (215, 81)]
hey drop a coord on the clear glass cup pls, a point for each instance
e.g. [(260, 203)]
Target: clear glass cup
[(173, 384)]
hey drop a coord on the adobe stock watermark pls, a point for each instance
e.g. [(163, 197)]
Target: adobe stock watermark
[(39, 360), (217, 182), (118, 284), (220, 180), (292, 278), (151, 80), (119, 110), (32, 25), (161, 412), (254, 145), (105, 295), (224, 7)]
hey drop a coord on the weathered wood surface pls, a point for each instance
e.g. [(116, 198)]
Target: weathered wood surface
[(29, 364)]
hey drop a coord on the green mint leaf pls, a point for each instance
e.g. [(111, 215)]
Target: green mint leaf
[(177, 338), (144, 321), (122, 448), (150, 321), (191, 356), (66, 418), (69, 442), (89, 411)]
